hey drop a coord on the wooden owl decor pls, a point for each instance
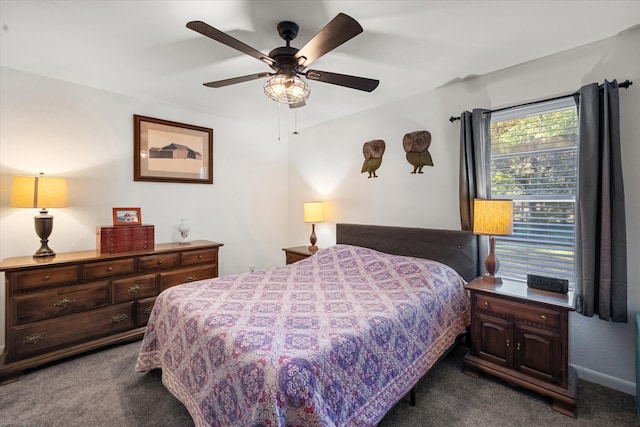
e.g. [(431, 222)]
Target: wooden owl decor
[(373, 151), (416, 145)]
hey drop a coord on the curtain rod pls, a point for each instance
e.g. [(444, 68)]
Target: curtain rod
[(625, 85)]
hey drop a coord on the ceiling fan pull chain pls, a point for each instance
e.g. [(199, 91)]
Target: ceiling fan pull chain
[(279, 122)]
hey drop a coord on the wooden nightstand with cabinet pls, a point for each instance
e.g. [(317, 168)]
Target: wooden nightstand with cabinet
[(520, 335), (297, 253)]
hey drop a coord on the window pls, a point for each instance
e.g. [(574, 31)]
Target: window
[(534, 162)]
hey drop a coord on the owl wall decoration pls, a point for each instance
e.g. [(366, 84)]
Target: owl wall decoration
[(416, 145), (373, 151)]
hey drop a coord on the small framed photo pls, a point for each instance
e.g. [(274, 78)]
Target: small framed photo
[(127, 216), (165, 151)]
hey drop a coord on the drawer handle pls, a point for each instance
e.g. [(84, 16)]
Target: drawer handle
[(119, 318), (518, 346), (147, 310), (189, 279), (47, 277), (35, 338), (137, 288), (486, 304), (109, 268), (508, 343), (159, 262), (199, 256), (64, 302), (543, 317)]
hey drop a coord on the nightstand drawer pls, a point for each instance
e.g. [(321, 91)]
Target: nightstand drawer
[(291, 258), (512, 309)]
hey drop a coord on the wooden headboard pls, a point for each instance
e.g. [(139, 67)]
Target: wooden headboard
[(457, 249)]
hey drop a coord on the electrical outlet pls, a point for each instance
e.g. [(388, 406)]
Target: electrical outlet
[(252, 268)]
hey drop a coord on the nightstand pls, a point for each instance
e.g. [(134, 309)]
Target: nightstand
[(520, 335), (297, 253)]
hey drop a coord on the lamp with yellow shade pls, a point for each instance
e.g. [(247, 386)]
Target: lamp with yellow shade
[(313, 213), (492, 217), (40, 192)]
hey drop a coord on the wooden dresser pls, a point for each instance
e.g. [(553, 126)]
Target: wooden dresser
[(80, 301), (521, 336)]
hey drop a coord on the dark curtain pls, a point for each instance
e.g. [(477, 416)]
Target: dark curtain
[(601, 285), (474, 168)]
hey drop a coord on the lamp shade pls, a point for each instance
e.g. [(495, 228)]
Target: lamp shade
[(493, 217), (39, 192), (313, 212)]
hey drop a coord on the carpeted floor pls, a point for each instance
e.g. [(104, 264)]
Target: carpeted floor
[(101, 389)]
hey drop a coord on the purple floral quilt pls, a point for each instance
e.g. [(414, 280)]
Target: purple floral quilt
[(333, 340)]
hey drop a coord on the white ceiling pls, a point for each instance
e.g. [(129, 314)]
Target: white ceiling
[(142, 48)]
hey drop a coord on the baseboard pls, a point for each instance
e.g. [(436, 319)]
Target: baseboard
[(606, 380)]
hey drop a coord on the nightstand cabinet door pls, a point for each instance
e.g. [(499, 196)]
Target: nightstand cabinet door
[(496, 338), (538, 354)]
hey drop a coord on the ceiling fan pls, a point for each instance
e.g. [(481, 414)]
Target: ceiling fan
[(289, 63)]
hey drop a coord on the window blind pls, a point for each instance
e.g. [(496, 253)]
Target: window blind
[(533, 160)]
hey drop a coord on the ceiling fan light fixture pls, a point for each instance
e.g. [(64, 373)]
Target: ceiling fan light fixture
[(287, 89)]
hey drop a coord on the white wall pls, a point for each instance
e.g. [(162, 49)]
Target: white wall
[(86, 135), (325, 162)]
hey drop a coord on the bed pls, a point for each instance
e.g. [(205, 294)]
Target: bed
[(333, 340)]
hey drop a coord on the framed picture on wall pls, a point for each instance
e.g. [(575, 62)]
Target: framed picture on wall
[(127, 216), (165, 151)]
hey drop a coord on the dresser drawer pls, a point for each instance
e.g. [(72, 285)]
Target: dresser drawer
[(97, 270), (134, 288), (42, 305), (67, 330), (200, 257), (158, 262), (180, 277), (539, 315), (143, 310), (43, 277)]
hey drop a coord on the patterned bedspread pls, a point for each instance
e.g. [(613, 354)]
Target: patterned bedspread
[(333, 340)]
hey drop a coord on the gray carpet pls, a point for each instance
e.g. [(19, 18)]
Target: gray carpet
[(101, 389)]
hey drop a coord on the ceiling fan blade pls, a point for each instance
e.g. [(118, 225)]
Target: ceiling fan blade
[(341, 29), (224, 38), (234, 80), (353, 82)]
